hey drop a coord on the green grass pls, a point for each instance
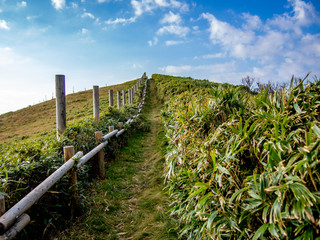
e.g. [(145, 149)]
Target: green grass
[(131, 202)]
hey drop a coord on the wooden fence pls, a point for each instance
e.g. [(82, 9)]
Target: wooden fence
[(15, 219)]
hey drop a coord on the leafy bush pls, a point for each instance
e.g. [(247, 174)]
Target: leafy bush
[(242, 166)]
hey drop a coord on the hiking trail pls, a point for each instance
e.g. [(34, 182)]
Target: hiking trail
[(131, 203)]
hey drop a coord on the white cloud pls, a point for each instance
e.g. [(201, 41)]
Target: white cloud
[(1, 10), (310, 45), (154, 42), (174, 29), (171, 18), (170, 69), (303, 14), (74, 5), (4, 25), (29, 18), (142, 6), (213, 68), (136, 66), (22, 4), (162, 3), (84, 31), (226, 34), (278, 47), (87, 14), (121, 21), (226, 72), (213, 56), (58, 4), (172, 43), (253, 22)]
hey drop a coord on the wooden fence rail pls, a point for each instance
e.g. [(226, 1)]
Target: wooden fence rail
[(15, 219)]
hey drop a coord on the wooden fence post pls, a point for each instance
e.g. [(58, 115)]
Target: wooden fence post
[(111, 128), (132, 95), (96, 103), (124, 97), (111, 98), (119, 98), (129, 96), (61, 118), (100, 157), (120, 124), (2, 205), (68, 152)]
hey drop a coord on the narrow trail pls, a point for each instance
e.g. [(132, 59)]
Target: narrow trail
[(131, 203)]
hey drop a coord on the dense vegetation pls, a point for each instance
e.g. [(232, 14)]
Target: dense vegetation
[(26, 163), (241, 165)]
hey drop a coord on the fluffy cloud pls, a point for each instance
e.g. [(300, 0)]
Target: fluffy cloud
[(58, 4), (171, 18), (222, 72), (271, 42), (172, 43), (87, 14), (154, 42), (4, 25), (22, 4), (143, 6), (252, 22), (174, 29), (121, 21), (225, 34), (84, 31), (303, 14)]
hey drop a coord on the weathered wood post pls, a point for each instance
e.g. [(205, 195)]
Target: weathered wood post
[(96, 103), (120, 124), (61, 118), (111, 128), (124, 97), (119, 98), (129, 95), (2, 205), (111, 98), (68, 152), (100, 157), (132, 95)]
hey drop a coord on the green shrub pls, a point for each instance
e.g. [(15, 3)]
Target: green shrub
[(241, 166)]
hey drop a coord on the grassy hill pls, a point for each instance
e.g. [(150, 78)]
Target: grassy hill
[(41, 118)]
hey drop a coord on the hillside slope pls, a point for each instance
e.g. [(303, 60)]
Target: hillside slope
[(37, 119)]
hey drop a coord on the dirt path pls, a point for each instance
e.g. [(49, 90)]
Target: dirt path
[(131, 202)]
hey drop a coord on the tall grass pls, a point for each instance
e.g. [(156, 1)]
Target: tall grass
[(241, 166)]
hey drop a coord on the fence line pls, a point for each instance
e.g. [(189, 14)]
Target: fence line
[(15, 219)]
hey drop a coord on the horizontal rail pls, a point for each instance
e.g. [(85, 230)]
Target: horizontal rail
[(90, 154), (7, 219), (21, 223), (120, 132), (109, 135)]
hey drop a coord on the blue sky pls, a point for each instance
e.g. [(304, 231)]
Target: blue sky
[(105, 42)]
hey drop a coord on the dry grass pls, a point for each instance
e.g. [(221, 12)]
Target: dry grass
[(40, 118)]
